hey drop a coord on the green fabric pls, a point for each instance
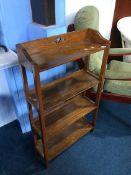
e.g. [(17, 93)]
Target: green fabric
[(123, 71), (119, 66), (120, 51), (95, 62), (87, 17), (117, 75), (118, 87), (118, 69)]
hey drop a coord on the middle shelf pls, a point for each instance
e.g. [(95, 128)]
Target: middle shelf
[(57, 93), (62, 118)]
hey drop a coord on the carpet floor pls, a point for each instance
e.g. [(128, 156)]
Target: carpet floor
[(106, 151)]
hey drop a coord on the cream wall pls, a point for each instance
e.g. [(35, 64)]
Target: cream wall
[(106, 10)]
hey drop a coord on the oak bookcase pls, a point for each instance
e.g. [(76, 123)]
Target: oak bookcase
[(62, 104)]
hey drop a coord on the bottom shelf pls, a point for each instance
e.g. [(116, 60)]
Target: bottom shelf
[(66, 138)]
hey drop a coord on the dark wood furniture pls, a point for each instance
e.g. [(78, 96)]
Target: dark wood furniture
[(43, 11), (61, 104)]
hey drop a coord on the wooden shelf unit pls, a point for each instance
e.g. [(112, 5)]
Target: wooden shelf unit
[(61, 104)]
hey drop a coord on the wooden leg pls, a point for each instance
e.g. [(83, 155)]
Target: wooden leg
[(98, 96), (95, 117), (41, 114), (41, 110)]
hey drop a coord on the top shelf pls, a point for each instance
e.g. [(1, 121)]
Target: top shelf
[(50, 52)]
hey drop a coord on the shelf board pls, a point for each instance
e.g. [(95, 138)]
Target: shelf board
[(65, 138), (63, 117), (57, 93)]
